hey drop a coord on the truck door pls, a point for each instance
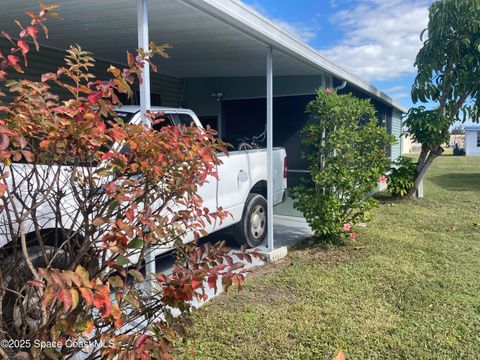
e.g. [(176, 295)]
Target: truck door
[(208, 191), (234, 184)]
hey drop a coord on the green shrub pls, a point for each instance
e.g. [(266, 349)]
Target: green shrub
[(347, 154), (401, 178)]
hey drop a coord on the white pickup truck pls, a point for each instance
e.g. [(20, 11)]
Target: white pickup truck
[(242, 185), (241, 188)]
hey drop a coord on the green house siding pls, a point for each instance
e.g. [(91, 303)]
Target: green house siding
[(396, 131)]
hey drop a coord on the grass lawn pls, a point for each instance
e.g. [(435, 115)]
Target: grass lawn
[(408, 288)]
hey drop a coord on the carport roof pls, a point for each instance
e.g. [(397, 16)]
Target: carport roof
[(209, 38)]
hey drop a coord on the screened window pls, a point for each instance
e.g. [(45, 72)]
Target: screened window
[(478, 138)]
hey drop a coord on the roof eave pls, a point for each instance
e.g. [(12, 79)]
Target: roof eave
[(249, 21)]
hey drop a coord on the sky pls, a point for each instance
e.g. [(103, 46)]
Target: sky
[(375, 39)]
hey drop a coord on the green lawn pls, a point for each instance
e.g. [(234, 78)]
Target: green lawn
[(408, 288)]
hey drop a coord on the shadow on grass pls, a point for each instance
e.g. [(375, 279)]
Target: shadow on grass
[(384, 197), (314, 242), (458, 181)]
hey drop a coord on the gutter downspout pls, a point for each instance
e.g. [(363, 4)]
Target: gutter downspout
[(341, 86)]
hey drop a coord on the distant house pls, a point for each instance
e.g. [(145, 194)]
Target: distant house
[(408, 145), (457, 140), (472, 140)]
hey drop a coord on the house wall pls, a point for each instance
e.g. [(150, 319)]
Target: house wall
[(396, 130), (390, 117), (471, 148), (49, 60), (198, 91)]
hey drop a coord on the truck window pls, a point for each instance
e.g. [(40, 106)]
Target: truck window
[(168, 120), (185, 119), (125, 116)]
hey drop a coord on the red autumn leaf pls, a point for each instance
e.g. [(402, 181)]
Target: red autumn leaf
[(7, 36), (141, 340), (36, 283), (4, 142), (47, 298), (44, 144), (3, 189), (21, 141), (131, 59), (107, 309), (24, 48), (118, 323), (130, 215), (13, 60), (98, 221), (94, 96), (49, 76), (212, 281), (107, 155), (87, 295), (110, 188), (28, 155), (32, 31), (117, 134), (3, 75), (71, 278), (66, 297), (161, 278)]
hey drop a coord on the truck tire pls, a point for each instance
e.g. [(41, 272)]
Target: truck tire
[(252, 229), (15, 272)]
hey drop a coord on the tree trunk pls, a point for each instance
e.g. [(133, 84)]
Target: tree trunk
[(424, 162)]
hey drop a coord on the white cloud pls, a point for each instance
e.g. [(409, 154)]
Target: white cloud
[(381, 37), (398, 92), (303, 31)]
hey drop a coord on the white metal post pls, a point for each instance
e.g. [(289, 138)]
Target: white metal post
[(270, 149), (143, 42)]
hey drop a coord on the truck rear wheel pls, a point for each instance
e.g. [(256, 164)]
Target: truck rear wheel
[(252, 229), (16, 277)]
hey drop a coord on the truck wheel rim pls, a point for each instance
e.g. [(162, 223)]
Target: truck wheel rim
[(28, 304), (258, 221)]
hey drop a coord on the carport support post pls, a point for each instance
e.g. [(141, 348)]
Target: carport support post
[(270, 149), (142, 23)]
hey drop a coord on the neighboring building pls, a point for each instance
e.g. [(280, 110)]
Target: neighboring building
[(472, 140), (408, 145), (457, 140), (217, 64)]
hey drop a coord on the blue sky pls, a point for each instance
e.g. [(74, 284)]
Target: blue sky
[(375, 39)]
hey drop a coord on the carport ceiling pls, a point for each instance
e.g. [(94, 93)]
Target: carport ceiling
[(202, 46)]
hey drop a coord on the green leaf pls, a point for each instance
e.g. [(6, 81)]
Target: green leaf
[(116, 281), (122, 260), (52, 353), (136, 243), (137, 275)]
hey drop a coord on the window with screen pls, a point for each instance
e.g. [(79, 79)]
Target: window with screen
[(478, 138)]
